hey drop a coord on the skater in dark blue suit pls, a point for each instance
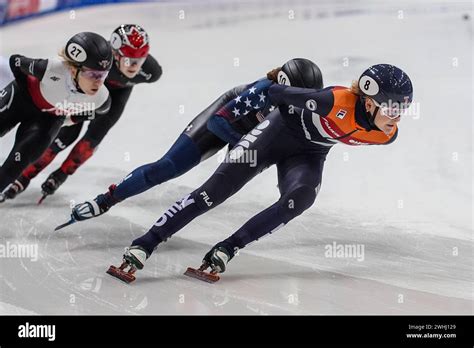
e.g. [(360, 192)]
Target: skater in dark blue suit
[(295, 137)]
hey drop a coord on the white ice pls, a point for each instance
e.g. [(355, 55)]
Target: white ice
[(408, 204)]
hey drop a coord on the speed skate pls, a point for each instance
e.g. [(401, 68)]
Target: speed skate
[(126, 276), (202, 274)]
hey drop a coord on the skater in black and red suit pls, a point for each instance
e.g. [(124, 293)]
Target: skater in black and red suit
[(132, 65), (48, 93)]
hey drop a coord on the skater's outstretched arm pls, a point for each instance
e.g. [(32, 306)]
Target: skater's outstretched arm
[(28, 66), (312, 100), (241, 113), (223, 129), (6, 75)]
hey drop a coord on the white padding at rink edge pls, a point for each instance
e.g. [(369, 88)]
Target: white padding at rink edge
[(210, 13), (47, 5)]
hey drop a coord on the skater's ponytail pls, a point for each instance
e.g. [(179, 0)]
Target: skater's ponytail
[(273, 74), (355, 88)]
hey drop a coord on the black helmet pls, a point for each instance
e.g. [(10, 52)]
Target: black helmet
[(387, 85), (89, 50), (300, 72)]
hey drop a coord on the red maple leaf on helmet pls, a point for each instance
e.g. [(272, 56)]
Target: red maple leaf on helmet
[(135, 38)]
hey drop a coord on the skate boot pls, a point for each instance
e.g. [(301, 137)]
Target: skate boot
[(17, 187), (134, 258), (216, 259), (52, 183), (91, 209)]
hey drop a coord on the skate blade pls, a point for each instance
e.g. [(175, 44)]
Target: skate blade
[(201, 275), (70, 222), (42, 199), (119, 274)]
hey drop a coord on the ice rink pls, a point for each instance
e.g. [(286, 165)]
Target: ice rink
[(408, 205)]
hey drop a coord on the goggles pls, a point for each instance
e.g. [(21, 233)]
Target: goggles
[(391, 110), (95, 74)]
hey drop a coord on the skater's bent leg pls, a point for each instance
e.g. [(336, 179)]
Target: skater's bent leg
[(299, 181), (179, 159), (32, 139), (288, 207), (227, 180), (66, 136), (184, 211)]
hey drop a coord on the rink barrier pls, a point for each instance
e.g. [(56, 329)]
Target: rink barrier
[(216, 13), (15, 10)]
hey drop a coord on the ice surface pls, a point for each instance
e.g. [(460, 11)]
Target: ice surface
[(409, 204)]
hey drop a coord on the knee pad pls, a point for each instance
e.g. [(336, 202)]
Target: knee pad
[(295, 202)]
